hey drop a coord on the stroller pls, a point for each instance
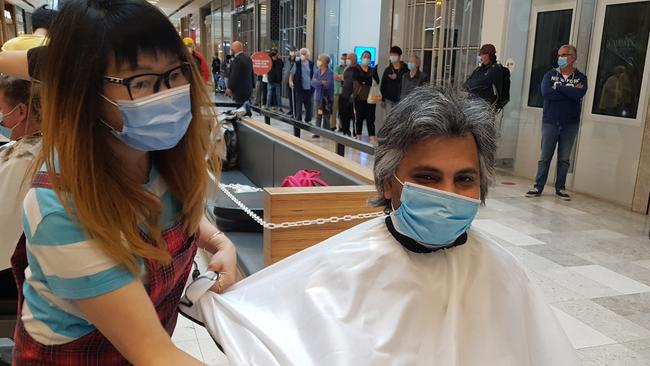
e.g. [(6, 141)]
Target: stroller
[(219, 84)]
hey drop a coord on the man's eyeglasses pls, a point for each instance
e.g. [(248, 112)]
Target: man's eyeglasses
[(143, 85)]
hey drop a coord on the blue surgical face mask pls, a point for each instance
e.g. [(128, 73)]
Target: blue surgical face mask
[(433, 217), (479, 60), (410, 65), (563, 62), (298, 59), (4, 130), (156, 122)]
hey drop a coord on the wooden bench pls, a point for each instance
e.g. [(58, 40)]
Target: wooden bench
[(267, 156)]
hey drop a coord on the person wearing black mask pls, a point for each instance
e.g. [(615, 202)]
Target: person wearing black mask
[(487, 80), (274, 82)]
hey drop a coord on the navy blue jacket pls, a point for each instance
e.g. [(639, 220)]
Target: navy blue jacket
[(297, 77), (563, 103)]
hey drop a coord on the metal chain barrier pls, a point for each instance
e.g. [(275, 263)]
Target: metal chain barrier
[(322, 221)]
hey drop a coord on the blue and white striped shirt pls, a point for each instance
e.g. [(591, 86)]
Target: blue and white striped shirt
[(66, 265)]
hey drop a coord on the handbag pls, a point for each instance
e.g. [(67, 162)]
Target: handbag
[(374, 96), (229, 133), (304, 178)]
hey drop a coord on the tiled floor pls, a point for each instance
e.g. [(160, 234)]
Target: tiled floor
[(590, 258)]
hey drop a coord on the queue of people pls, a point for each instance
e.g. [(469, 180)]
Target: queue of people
[(350, 108)]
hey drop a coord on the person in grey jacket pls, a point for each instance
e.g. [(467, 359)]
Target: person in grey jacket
[(414, 78)]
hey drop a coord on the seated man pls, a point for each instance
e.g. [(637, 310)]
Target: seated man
[(20, 123), (417, 287)]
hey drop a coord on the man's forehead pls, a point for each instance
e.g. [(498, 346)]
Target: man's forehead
[(443, 150)]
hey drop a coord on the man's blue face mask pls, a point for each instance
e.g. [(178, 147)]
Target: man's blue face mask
[(433, 217), (4, 130)]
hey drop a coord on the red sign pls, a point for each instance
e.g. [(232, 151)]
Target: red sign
[(261, 63)]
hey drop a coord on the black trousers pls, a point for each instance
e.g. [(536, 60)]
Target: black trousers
[(346, 114), (365, 112), (306, 99)]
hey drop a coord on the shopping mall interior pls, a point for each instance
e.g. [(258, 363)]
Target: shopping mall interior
[(586, 255)]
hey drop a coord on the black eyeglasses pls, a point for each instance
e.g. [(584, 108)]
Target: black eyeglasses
[(143, 85)]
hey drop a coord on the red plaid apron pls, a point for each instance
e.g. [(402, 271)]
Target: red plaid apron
[(165, 287)]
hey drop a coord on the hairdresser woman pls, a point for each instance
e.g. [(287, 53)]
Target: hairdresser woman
[(116, 210)]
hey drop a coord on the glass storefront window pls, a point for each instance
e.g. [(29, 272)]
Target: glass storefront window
[(553, 30), (293, 24), (442, 33), (327, 34), (622, 59)]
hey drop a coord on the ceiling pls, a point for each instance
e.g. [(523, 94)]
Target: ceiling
[(170, 6), (167, 6)]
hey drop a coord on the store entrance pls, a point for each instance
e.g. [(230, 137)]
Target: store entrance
[(243, 28)]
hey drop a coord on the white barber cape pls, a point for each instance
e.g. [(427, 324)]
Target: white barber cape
[(361, 298)]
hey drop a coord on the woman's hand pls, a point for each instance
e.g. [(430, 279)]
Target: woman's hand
[(224, 261), (224, 255)]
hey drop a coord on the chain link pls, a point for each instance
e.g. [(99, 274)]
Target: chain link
[(291, 224)]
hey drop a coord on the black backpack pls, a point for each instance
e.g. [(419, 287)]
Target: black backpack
[(504, 97)]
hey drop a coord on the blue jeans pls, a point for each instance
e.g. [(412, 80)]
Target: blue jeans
[(272, 95), (562, 136)]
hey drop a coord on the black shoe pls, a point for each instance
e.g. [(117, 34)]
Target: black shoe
[(561, 194), (533, 193), (315, 136)]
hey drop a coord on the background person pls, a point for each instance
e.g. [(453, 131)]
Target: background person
[(129, 249), (20, 122), (364, 110), (242, 78), (414, 78), (617, 93), (42, 19), (486, 81), (349, 92), (216, 70), (274, 91), (563, 89), (225, 69), (201, 64), (323, 83), (391, 79), (287, 72), (300, 82), (335, 123)]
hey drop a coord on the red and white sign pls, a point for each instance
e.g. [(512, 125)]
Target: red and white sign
[(261, 63)]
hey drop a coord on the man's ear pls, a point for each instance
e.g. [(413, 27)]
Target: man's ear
[(21, 109), (388, 189)]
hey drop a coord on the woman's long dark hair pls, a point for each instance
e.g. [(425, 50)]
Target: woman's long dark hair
[(91, 182)]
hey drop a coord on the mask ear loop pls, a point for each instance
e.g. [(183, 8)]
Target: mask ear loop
[(392, 207), (101, 119), (18, 124)]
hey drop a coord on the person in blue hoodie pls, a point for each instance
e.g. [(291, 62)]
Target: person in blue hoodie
[(563, 89)]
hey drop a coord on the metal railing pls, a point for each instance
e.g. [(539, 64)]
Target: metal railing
[(341, 141)]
